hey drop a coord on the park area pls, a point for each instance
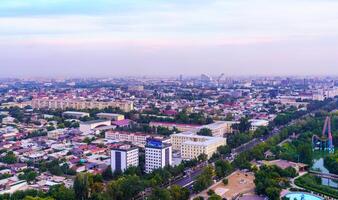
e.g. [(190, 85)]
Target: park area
[(238, 183)]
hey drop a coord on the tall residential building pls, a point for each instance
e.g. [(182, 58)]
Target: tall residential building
[(158, 154), (123, 157)]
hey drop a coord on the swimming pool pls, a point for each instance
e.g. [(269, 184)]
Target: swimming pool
[(302, 196)]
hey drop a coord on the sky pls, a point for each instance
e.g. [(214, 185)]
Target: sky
[(77, 38)]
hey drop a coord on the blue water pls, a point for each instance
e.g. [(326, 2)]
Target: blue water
[(302, 196)]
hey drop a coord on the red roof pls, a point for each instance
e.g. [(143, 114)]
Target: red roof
[(123, 122)]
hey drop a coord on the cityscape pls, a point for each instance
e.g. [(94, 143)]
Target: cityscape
[(161, 100)]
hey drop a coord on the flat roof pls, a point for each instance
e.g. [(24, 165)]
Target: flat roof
[(110, 114), (95, 121), (74, 112)]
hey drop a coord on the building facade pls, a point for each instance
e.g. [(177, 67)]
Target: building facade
[(157, 155), (79, 104), (191, 145), (110, 116), (123, 157), (138, 139), (220, 128)]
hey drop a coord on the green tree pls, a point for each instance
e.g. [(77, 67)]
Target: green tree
[(28, 175), (107, 173), (60, 192), (273, 193), (243, 126), (222, 168), (202, 157), (82, 184), (179, 193), (204, 180), (9, 158), (215, 197), (160, 194), (125, 187), (37, 198), (204, 132)]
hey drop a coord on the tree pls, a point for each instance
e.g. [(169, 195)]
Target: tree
[(37, 198), (222, 168), (242, 161), (125, 187), (270, 180), (130, 186), (331, 163), (204, 132), (273, 193), (66, 170), (81, 186), (60, 192), (243, 126), (87, 140), (305, 153), (224, 150), (204, 180), (107, 173), (179, 193), (61, 125), (9, 158), (210, 192), (229, 117), (160, 194), (28, 175), (215, 197), (202, 157)]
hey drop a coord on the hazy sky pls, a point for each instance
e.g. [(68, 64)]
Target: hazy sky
[(156, 37)]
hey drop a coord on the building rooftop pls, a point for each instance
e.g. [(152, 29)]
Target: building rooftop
[(95, 121)]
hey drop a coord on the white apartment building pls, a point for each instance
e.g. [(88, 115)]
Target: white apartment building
[(220, 128), (123, 157), (138, 139), (157, 155), (79, 104), (191, 145)]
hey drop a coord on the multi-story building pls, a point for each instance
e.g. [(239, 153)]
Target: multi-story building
[(157, 154), (87, 126), (55, 134), (170, 126), (110, 116), (79, 104), (255, 123), (75, 114), (138, 139), (123, 157), (220, 128), (191, 145)]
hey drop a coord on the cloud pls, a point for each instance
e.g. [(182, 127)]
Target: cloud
[(145, 29)]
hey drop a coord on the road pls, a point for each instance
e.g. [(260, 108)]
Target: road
[(188, 180)]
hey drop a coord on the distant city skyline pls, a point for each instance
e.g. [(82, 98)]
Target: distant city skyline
[(75, 38)]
